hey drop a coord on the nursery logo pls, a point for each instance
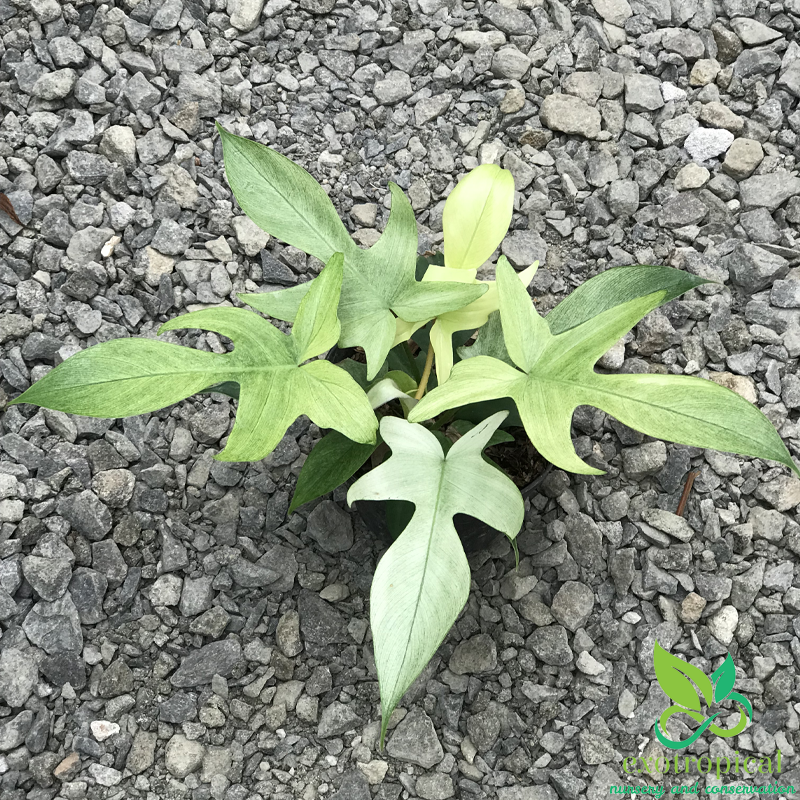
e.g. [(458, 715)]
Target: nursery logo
[(678, 681)]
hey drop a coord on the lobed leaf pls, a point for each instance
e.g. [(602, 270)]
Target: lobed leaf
[(422, 582), (379, 283), (557, 375), (126, 377)]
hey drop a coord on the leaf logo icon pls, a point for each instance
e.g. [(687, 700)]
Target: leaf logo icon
[(675, 677), (681, 681)]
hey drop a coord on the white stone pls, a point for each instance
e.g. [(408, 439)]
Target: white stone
[(251, 238), (703, 144), (103, 729), (105, 776), (723, 624), (692, 176), (669, 91), (245, 14), (589, 665)]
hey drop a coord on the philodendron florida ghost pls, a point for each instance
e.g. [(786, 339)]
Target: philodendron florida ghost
[(373, 299)]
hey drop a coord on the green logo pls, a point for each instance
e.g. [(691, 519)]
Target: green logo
[(678, 681)]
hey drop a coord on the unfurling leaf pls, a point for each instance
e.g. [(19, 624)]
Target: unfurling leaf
[(476, 216), (556, 375), (422, 582), (125, 377), (379, 284), (675, 677), (723, 678)]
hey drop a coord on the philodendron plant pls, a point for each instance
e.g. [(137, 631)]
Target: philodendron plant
[(424, 425)]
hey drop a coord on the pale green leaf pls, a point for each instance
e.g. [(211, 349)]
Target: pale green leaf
[(422, 582), (125, 377), (379, 283), (316, 327), (282, 198), (675, 677), (558, 376), (476, 216), (385, 391)]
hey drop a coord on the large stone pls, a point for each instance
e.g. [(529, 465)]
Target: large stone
[(183, 756), (768, 191), (200, 666), (477, 654), (337, 718), (550, 645), (753, 268), (569, 114), (415, 741), (18, 676), (49, 577), (244, 14), (118, 145), (330, 527), (572, 605), (615, 12), (743, 156), (643, 93)]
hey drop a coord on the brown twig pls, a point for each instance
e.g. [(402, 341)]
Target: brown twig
[(5, 205), (686, 489)]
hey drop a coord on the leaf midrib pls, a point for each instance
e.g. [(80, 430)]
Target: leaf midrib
[(320, 233), (425, 568), (595, 387)]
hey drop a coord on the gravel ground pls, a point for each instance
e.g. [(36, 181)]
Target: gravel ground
[(167, 631)]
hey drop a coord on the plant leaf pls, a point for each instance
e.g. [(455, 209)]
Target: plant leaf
[(379, 284), (558, 375), (723, 678), (490, 342), (462, 426), (422, 582), (476, 216), (469, 318), (334, 459), (675, 677), (125, 377), (386, 390), (615, 287)]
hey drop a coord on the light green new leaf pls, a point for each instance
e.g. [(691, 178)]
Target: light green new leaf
[(379, 284), (469, 318), (422, 582), (476, 216), (558, 376), (675, 677), (125, 377)]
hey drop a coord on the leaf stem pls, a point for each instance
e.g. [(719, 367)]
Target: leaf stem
[(426, 373)]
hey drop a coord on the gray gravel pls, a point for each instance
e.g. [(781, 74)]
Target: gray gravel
[(167, 631)]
